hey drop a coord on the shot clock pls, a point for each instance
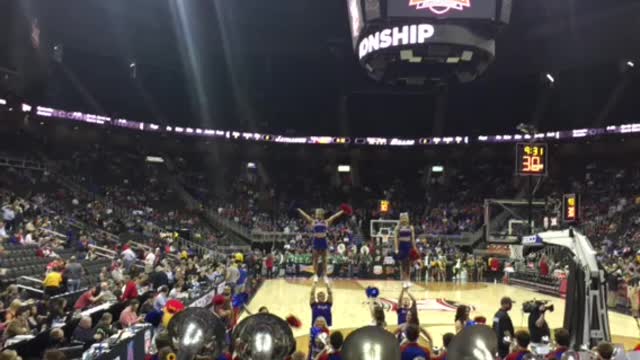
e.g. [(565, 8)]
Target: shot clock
[(384, 206), (531, 159), (570, 208)]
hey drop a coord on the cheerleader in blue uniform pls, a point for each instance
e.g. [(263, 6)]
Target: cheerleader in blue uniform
[(405, 241), (320, 227)]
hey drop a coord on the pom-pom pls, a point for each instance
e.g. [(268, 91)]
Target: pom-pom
[(414, 254), (346, 209), (372, 292), (294, 322), (239, 300), (218, 300)]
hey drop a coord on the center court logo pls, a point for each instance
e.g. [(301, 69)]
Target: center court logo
[(440, 7)]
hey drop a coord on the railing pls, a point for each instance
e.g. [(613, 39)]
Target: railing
[(30, 289), (54, 233), (273, 236), (104, 252), (30, 279), (545, 284), (199, 249), (9, 161)]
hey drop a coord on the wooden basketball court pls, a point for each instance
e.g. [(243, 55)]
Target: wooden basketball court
[(436, 305)]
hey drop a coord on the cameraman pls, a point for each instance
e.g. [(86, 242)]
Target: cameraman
[(503, 326), (538, 327)]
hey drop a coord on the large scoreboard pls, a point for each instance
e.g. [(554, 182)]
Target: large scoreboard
[(429, 40)]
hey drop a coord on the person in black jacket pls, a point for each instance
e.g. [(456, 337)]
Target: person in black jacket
[(158, 278), (503, 326), (83, 332)]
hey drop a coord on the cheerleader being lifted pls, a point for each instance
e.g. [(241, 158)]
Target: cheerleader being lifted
[(320, 228)]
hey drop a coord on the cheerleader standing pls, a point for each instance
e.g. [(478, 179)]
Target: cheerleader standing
[(405, 241)]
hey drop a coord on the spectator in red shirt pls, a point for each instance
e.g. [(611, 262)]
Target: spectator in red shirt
[(89, 297), (494, 265), (130, 290), (544, 266), (269, 265), (522, 343)]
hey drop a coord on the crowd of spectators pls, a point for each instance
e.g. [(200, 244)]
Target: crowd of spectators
[(122, 194), (142, 282)]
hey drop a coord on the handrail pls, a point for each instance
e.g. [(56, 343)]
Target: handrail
[(24, 287), (109, 251), (29, 278), (10, 161), (53, 232)]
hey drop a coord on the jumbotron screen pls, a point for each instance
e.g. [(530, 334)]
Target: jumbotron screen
[(443, 9)]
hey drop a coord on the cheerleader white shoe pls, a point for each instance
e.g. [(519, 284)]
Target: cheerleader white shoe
[(326, 279), (315, 278)]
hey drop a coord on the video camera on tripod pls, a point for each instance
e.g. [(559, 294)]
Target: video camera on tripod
[(533, 305)]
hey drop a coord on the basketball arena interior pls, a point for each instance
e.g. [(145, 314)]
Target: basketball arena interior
[(319, 180)]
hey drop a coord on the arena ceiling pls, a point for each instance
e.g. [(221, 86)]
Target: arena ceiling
[(287, 66)]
